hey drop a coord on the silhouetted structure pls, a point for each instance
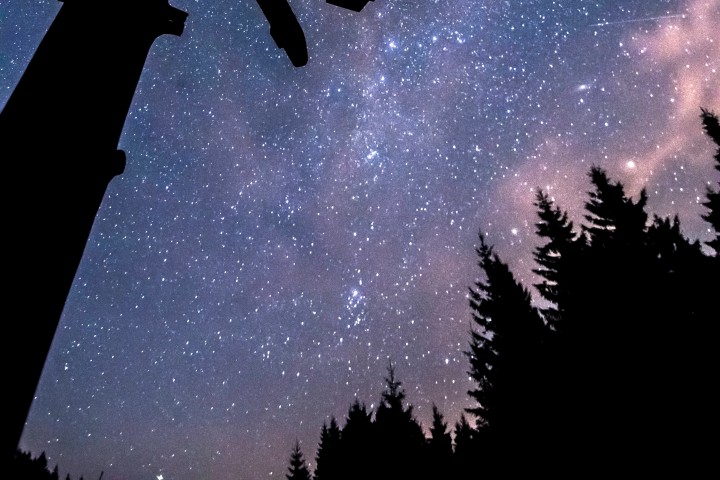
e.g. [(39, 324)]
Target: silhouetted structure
[(354, 5), (59, 133), (285, 30)]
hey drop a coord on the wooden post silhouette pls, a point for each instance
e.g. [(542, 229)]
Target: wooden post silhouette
[(59, 133)]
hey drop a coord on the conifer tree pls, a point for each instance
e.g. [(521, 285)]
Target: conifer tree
[(41, 463), (712, 128), (399, 437), (327, 460), (554, 256), (439, 449), (465, 453), (357, 443), (297, 470), (505, 347)]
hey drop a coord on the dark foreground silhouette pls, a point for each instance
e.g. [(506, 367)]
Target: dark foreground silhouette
[(615, 376), (24, 467), (59, 134), (354, 5), (285, 30)]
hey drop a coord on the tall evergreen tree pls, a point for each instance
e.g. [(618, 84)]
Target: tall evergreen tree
[(560, 264), (612, 358), (552, 257), (41, 464), (297, 470), (439, 451), (465, 452), (607, 324), (506, 344), (399, 437), (357, 443), (327, 460), (611, 215), (712, 128)]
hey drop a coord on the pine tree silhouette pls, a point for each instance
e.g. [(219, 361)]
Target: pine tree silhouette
[(614, 374), (439, 447), (399, 437), (23, 466), (712, 128), (467, 462), (620, 295), (327, 460), (357, 443), (297, 470), (554, 226), (506, 355)]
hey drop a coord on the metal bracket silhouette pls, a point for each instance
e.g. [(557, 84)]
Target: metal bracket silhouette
[(286, 30), (59, 134)]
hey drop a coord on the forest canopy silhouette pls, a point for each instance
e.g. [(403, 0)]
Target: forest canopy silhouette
[(614, 372)]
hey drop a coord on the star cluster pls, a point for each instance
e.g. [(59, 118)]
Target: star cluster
[(279, 233)]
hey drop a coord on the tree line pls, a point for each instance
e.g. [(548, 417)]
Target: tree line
[(26, 467), (615, 373)]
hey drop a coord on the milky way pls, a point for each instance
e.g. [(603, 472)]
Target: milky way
[(279, 233)]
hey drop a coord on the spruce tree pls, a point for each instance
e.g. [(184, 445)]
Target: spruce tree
[(297, 470), (439, 451), (327, 460), (506, 361), (399, 437), (554, 256), (357, 443), (465, 452), (712, 128)]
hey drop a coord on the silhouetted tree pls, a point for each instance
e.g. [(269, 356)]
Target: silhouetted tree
[(465, 454), (621, 294), (297, 470), (505, 359), (327, 460), (357, 443), (552, 257), (399, 437), (439, 451), (23, 466), (712, 128)]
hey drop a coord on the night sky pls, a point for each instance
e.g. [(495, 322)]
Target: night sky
[(279, 233)]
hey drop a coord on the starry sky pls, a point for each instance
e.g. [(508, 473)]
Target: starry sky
[(279, 233)]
